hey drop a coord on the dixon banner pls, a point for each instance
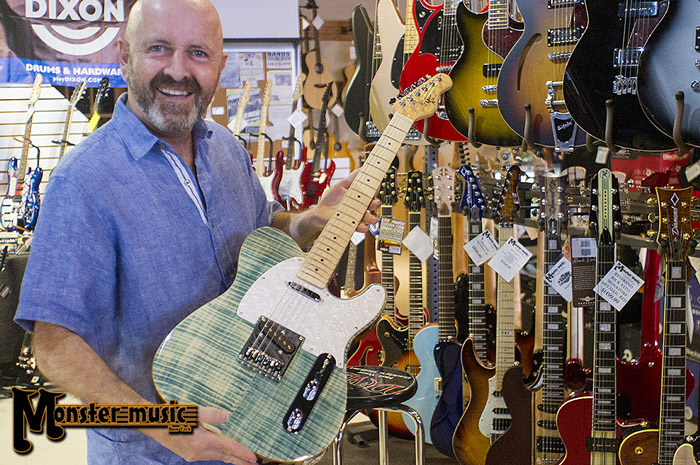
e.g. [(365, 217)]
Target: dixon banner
[(66, 41)]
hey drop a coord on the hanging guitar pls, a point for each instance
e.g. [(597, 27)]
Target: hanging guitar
[(318, 179), (318, 77), (487, 37), (240, 109), (75, 96), (269, 176), (99, 96), (286, 380), (486, 416), (20, 207), (290, 185), (658, 446), (533, 71), (670, 63), (439, 48), (603, 67)]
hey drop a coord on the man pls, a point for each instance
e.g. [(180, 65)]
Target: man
[(142, 224)]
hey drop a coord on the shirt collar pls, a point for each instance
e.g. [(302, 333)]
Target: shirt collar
[(138, 139)]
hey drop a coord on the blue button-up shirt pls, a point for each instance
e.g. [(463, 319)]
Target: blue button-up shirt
[(129, 241)]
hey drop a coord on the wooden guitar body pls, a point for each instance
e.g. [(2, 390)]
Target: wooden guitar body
[(368, 352), (472, 73), (592, 76), (314, 184), (425, 399), (422, 14), (269, 260), (515, 445), (290, 185), (357, 109), (429, 56), (318, 77), (640, 448), (574, 422), (668, 65), (469, 444), (28, 211), (271, 181), (527, 69), (6, 207), (684, 455), (450, 405)]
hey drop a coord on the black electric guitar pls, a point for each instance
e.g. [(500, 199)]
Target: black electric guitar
[(99, 96), (75, 96), (603, 67), (670, 63), (284, 382)]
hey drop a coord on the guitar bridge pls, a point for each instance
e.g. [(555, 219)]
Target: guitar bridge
[(270, 348)]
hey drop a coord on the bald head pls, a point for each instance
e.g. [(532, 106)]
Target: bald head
[(145, 12)]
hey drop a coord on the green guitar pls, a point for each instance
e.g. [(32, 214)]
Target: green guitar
[(271, 350)]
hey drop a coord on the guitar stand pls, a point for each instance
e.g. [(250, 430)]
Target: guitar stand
[(470, 131), (678, 124), (243, 141), (431, 140)]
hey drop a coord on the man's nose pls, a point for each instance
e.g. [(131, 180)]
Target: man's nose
[(177, 67)]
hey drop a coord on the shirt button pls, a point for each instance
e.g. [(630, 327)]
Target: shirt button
[(212, 224)]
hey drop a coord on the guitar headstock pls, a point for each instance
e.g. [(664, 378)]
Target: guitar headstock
[(422, 99), (387, 189), (99, 96), (553, 207), (36, 90), (605, 216), (325, 100), (443, 189), (266, 96), (75, 96), (415, 195), (299, 87), (509, 202), (245, 95), (472, 196), (675, 235)]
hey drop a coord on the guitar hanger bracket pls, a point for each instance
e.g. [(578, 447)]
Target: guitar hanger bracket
[(470, 131), (431, 140), (609, 120), (678, 124)]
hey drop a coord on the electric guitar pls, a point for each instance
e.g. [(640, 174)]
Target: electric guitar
[(99, 96), (285, 383), (669, 64), (487, 37), (439, 48), (371, 350), (603, 67), (392, 32), (532, 437), (316, 180), (657, 446), (290, 187), (486, 416), (356, 97), (75, 96), (268, 176), (242, 103), (18, 196), (533, 71)]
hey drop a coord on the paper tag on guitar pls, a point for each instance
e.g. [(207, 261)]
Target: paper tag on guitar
[(618, 285), (510, 259), (559, 278), (297, 118), (419, 243), (481, 248)]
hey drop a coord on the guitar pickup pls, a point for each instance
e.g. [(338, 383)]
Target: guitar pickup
[(564, 36), (491, 70), (270, 348), (308, 393), (637, 10), (602, 444), (627, 57)]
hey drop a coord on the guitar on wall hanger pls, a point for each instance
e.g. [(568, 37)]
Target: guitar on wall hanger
[(242, 103), (75, 96), (269, 176), (99, 96), (17, 194), (318, 76), (285, 377), (290, 186)]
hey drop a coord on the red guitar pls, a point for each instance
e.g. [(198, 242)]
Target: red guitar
[(439, 47)]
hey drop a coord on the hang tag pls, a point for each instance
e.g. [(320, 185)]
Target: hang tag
[(390, 235), (218, 111), (559, 278), (510, 259), (601, 156), (419, 243), (297, 118), (693, 171), (618, 285), (337, 110), (583, 262), (481, 248), (317, 22), (357, 238)]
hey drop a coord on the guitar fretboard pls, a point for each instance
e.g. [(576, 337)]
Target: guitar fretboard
[(388, 270), (672, 417), (415, 286), (446, 297), (478, 329), (505, 316), (320, 263), (498, 15)]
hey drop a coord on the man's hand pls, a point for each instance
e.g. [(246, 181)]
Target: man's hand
[(203, 444)]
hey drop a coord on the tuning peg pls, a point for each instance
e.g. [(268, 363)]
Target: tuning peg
[(663, 245), (652, 217), (651, 233), (694, 201), (651, 201)]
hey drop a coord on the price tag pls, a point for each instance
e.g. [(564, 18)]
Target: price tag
[(510, 259), (693, 171), (583, 259), (297, 118), (357, 238), (337, 110), (601, 156), (618, 285), (317, 22), (481, 248), (419, 243), (218, 111), (390, 235), (559, 278)]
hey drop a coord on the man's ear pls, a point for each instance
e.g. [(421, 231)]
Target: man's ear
[(224, 57), (123, 57)]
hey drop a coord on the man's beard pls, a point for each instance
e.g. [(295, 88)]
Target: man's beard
[(169, 117)]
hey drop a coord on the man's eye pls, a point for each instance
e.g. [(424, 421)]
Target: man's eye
[(157, 48), (199, 53)]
